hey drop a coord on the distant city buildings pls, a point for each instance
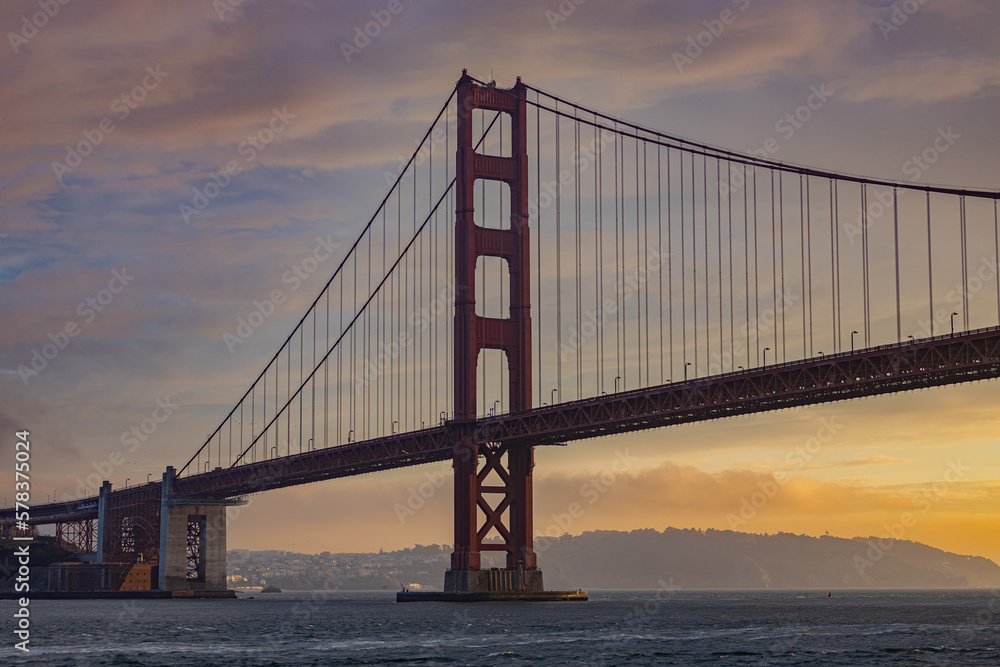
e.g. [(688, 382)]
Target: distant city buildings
[(419, 567)]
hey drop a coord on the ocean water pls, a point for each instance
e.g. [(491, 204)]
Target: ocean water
[(666, 627)]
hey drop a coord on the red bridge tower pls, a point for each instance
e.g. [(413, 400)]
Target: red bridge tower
[(512, 463)]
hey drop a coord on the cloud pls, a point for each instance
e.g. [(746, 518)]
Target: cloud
[(926, 78), (880, 459)]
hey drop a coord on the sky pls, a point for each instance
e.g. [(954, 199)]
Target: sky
[(97, 259)]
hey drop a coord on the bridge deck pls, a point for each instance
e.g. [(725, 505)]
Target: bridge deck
[(931, 362)]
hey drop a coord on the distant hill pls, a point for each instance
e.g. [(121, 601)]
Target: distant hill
[(649, 559)]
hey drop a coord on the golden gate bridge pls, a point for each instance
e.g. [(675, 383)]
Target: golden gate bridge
[(540, 272)]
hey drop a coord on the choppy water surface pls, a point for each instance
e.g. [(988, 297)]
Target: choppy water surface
[(613, 628)]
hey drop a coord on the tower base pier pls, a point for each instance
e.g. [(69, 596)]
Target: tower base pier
[(494, 585)]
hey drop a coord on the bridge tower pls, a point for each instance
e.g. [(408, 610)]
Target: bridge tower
[(512, 463)]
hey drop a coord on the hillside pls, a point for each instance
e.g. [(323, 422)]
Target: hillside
[(645, 558), (728, 559)]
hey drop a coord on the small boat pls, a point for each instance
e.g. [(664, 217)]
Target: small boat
[(270, 589)]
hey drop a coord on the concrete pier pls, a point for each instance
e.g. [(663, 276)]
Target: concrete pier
[(192, 542)]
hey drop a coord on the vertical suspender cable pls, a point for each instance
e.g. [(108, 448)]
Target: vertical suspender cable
[(365, 378), (756, 270), (930, 268), (340, 356), (481, 284), (504, 313), (781, 243), (384, 340), (996, 253), (264, 384), (810, 258), (538, 241), (729, 245), (645, 251), (833, 270), (840, 319), (624, 373), (895, 243), (638, 308), (774, 266), (694, 262), (718, 224), (598, 364), (435, 283), (599, 235), (670, 272), (399, 307), (618, 341), (579, 268), (448, 260), (326, 371), (312, 408), (659, 251), (680, 156), (746, 260), (965, 266), (708, 291), (558, 351), (354, 352), (302, 335), (802, 255), (864, 262), (426, 282)]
